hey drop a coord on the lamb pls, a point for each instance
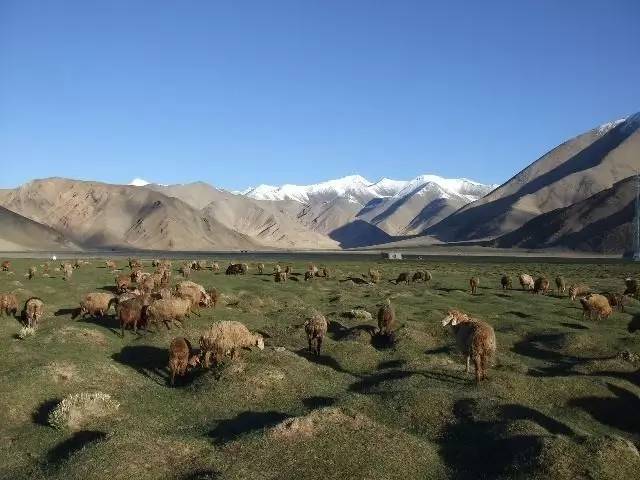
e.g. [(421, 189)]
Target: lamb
[(68, 271), (316, 329), (473, 284), (122, 283), (147, 283), (578, 290), (561, 285), (181, 358), (403, 277), (132, 312), (631, 287), (96, 304), (526, 281), (597, 304), (261, 268), (475, 339), (308, 275), (33, 311), (541, 285), (227, 337), (32, 272), (8, 304), (6, 266), (386, 318), (505, 281), (111, 265), (168, 311), (374, 275)]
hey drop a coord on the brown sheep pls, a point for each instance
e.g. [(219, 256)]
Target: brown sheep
[(32, 272), (288, 270), (526, 281), (616, 300), (578, 290), (561, 285), (403, 277), (134, 263), (168, 311), (123, 283), (386, 318), (181, 358), (8, 304), (541, 285), (195, 292), (419, 276), (234, 269), (132, 313), (280, 277), (308, 275), (161, 293), (597, 304), (505, 281), (473, 284), (6, 266), (261, 268), (33, 311), (111, 264), (316, 329), (475, 339), (631, 287), (96, 304), (147, 283), (227, 337)]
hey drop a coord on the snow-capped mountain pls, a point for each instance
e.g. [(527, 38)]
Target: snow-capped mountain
[(139, 182)]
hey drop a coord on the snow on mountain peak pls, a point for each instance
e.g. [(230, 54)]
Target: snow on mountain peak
[(604, 128), (139, 182)]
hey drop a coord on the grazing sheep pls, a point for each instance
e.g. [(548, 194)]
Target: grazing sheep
[(181, 358), (8, 304), (312, 268), (76, 264), (561, 285), (185, 271), (541, 285), (132, 312), (155, 262), (68, 271), (32, 272), (215, 296), (168, 311), (526, 281), (505, 281), (277, 268), (227, 337), (33, 311), (244, 268), (134, 263), (325, 272), (215, 266), (631, 287), (475, 339), (148, 283), (234, 269), (6, 266), (308, 275), (316, 329), (386, 318), (288, 270), (111, 264), (428, 276), (280, 277), (473, 284), (403, 277), (96, 304), (578, 290), (123, 282), (128, 295), (261, 268), (597, 304), (374, 275), (616, 300), (196, 292), (419, 276), (161, 293)]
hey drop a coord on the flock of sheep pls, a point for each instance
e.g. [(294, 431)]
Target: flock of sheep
[(145, 299)]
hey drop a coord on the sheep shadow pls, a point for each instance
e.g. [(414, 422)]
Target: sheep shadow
[(619, 412), (369, 382), (65, 311), (575, 326), (503, 295), (79, 440), (313, 403), (381, 341), (391, 364), (324, 360), (475, 448), (634, 324), (518, 314), (446, 349), (41, 415), (244, 423), (109, 288), (145, 359), (202, 474)]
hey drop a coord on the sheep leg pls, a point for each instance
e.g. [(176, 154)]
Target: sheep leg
[(468, 363), (310, 345), (207, 359), (318, 345), (477, 363)]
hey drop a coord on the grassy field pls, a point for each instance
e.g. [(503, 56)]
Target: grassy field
[(561, 402)]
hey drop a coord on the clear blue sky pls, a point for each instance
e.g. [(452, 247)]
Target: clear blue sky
[(242, 92)]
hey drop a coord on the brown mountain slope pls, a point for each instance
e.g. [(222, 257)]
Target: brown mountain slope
[(18, 233), (568, 174), (98, 215), (601, 223)]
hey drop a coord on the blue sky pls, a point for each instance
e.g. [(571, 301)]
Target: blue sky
[(237, 93)]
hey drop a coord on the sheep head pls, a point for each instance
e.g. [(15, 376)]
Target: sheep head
[(259, 341), (453, 317)]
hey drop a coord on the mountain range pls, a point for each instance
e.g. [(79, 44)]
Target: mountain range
[(579, 195)]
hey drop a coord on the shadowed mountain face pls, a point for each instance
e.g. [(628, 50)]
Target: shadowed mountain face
[(20, 233), (600, 223), (570, 173), (359, 234)]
